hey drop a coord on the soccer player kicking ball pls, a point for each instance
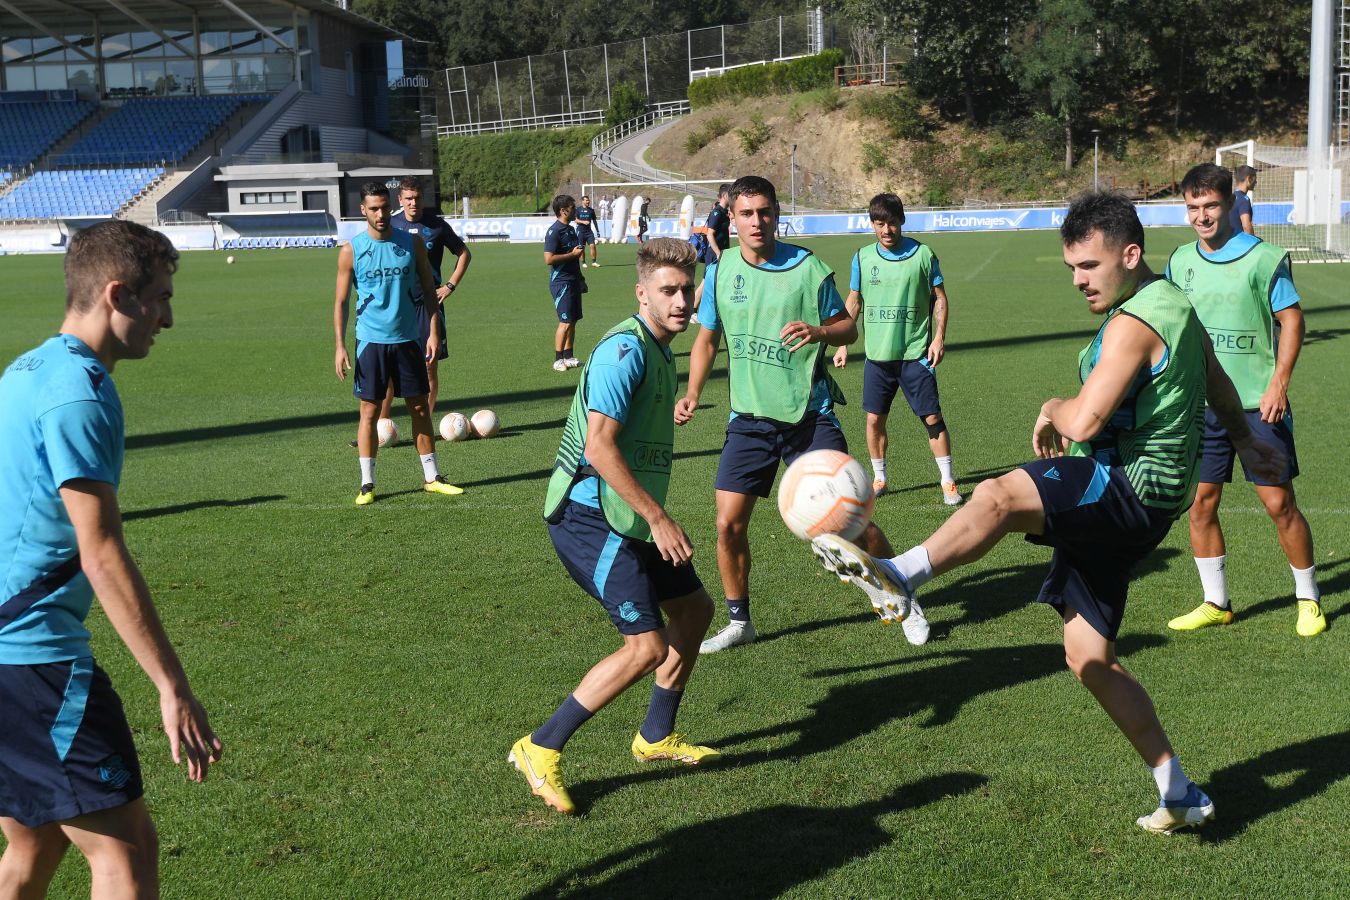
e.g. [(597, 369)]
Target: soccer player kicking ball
[(1243, 291), (778, 306), (606, 516), (384, 262), (905, 314), (1135, 429), (68, 767)]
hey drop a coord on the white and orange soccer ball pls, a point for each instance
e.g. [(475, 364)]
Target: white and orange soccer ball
[(387, 432), (485, 423), (825, 492), (454, 427)]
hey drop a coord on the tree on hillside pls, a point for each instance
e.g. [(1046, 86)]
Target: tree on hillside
[(1055, 60)]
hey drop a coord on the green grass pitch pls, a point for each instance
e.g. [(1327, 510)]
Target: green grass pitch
[(368, 669)]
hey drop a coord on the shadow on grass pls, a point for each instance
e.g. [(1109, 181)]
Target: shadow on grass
[(761, 853), (1244, 792), (1337, 584), (851, 710), (158, 511)]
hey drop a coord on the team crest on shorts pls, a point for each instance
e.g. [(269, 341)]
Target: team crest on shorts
[(627, 612), (113, 772)]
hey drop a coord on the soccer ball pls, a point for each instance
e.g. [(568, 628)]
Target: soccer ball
[(454, 427), (485, 423), (825, 492), (387, 432), (229, 260)]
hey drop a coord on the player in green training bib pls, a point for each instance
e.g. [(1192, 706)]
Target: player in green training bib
[(778, 307), (1243, 291), (606, 516), (896, 284), (1134, 433)]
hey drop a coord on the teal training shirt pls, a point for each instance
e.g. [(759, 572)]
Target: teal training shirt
[(385, 272)]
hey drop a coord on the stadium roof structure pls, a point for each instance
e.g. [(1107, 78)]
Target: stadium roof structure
[(57, 18)]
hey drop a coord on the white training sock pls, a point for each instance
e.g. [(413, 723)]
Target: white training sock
[(879, 469), (367, 470), (430, 471), (914, 565), (1172, 782), (1214, 579), (945, 467), (1305, 583)]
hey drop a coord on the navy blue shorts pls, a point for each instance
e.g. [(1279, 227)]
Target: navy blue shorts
[(1100, 531), (754, 447), (915, 377), (424, 331), (379, 365), (585, 235), (1217, 453), (628, 577), (566, 300), (65, 748)]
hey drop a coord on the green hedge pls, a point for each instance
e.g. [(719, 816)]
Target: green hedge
[(495, 165), (806, 74)]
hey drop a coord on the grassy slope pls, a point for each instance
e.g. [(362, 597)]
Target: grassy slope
[(368, 669)]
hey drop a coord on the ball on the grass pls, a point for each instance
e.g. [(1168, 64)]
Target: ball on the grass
[(454, 427), (387, 432), (825, 492), (229, 260), (485, 423)]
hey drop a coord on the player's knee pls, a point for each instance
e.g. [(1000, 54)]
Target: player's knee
[(647, 656), (992, 492), (731, 528), (1281, 506), (935, 426), (131, 858)]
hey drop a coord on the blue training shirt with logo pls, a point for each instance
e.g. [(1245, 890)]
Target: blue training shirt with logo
[(561, 239), (438, 236), (785, 256), (613, 372), (385, 272), (908, 247), (62, 420)]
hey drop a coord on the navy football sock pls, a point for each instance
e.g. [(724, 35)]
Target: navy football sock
[(564, 722), (739, 610), (660, 721)]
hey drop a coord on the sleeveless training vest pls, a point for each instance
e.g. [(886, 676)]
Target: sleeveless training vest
[(646, 440)]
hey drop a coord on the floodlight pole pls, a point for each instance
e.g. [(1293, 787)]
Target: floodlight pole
[(536, 185), (793, 174)]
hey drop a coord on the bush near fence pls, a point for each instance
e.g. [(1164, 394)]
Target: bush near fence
[(806, 74), (497, 165)]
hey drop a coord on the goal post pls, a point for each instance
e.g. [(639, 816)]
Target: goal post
[(666, 199), (1298, 203)]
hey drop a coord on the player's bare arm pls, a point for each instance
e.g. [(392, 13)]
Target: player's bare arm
[(1127, 346), (1275, 400), (344, 288), (701, 356), (938, 347), (462, 261), (853, 305), (835, 331), (602, 451), (125, 598), (427, 278)]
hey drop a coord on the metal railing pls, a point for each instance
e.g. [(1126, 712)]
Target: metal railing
[(524, 123), (604, 143)]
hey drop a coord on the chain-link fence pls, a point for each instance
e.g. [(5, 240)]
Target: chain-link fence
[(574, 86)]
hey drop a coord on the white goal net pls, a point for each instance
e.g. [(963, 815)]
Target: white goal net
[(1302, 208)]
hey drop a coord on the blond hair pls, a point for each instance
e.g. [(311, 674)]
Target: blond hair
[(659, 253)]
